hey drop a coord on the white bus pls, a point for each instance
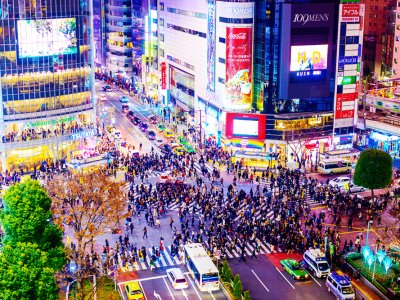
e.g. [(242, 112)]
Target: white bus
[(332, 167), (201, 267)]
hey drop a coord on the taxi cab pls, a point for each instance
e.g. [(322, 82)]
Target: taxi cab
[(168, 134), (133, 291), (179, 151), (340, 286)]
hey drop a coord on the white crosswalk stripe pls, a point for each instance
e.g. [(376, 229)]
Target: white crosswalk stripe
[(167, 260)]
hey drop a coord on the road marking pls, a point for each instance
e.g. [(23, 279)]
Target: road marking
[(285, 278), (156, 295), (169, 290), (314, 278), (184, 294), (194, 287), (262, 283), (212, 296), (141, 287)]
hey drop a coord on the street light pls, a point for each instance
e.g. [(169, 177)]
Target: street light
[(369, 223)]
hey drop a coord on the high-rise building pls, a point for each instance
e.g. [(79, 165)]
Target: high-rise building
[(46, 80), (294, 62), (391, 39), (375, 26), (119, 39), (99, 35)]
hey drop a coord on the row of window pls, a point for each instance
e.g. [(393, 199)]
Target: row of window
[(187, 30), (186, 13), (179, 62)]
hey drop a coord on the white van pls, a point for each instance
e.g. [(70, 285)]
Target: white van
[(177, 279), (316, 262), (331, 167), (340, 286)]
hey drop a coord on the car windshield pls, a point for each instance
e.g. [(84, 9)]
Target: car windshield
[(137, 292), (323, 266), (347, 290), (296, 266), (182, 280)]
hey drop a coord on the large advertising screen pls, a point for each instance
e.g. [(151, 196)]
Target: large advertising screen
[(309, 61), (37, 38), (245, 127), (250, 126), (238, 67)]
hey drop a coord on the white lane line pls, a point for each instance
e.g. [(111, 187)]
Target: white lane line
[(194, 287), (212, 296), (165, 252), (141, 287), (169, 290), (262, 283), (314, 278), (285, 278)]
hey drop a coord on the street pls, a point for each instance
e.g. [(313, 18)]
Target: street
[(264, 277)]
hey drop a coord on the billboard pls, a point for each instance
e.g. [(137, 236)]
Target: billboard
[(245, 126), (211, 33), (348, 66), (309, 61), (37, 38), (239, 41)]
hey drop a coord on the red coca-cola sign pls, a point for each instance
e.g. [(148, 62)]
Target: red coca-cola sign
[(238, 67)]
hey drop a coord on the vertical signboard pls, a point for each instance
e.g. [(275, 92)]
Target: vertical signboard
[(211, 46), (350, 38), (238, 67), (163, 75)]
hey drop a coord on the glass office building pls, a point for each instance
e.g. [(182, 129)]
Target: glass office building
[(46, 80)]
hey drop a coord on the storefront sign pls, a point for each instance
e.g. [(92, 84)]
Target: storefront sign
[(49, 122), (238, 67), (245, 126), (83, 134), (350, 13), (163, 75)]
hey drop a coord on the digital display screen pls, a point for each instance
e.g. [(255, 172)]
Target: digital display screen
[(245, 127), (309, 61), (37, 38)]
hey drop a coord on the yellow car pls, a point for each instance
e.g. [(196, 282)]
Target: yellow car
[(179, 151), (133, 291), (168, 134)]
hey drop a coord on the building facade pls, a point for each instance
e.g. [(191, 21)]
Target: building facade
[(118, 28), (294, 73), (46, 81)]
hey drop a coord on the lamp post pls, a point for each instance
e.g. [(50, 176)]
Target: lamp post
[(373, 272), (369, 223)]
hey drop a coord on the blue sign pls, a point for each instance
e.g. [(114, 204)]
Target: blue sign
[(348, 60), (83, 134)]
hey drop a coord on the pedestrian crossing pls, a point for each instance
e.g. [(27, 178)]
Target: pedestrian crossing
[(166, 259)]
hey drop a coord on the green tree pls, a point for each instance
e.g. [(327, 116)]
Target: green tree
[(237, 289), (25, 273), (246, 295), (26, 218), (374, 170)]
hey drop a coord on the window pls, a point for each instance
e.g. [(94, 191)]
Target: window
[(186, 30), (162, 22), (162, 37), (162, 6), (162, 53)]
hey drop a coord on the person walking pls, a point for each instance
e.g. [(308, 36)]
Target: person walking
[(253, 254), (145, 232), (171, 222)]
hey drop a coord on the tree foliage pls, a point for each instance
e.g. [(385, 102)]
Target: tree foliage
[(26, 216), (373, 169), (26, 273), (87, 203)]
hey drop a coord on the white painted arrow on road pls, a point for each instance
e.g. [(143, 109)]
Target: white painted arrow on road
[(157, 296)]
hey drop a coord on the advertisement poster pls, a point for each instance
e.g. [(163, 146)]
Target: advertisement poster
[(163, 75), (56, 36), (245, 126), (238, 67), (211, 46)]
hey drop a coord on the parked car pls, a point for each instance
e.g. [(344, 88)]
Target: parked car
[(153, 119), (144, 126), (151, 135), (161, 127), (136, 120), (124, 99), (107, 88)]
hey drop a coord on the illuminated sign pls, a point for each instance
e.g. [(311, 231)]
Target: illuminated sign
[(211, 32), (350, 13), (83, 134), (163, 75), (309, 61), (305, 18), (49, 122)]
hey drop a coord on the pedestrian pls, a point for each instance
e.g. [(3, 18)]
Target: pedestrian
[(253, 254), (242, 256), (145, 232), (171, 222)]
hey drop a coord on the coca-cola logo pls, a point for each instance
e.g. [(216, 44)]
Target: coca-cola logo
[(238, 36), (305, 18)]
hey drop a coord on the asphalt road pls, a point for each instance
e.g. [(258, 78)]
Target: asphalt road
[(264, 278)]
